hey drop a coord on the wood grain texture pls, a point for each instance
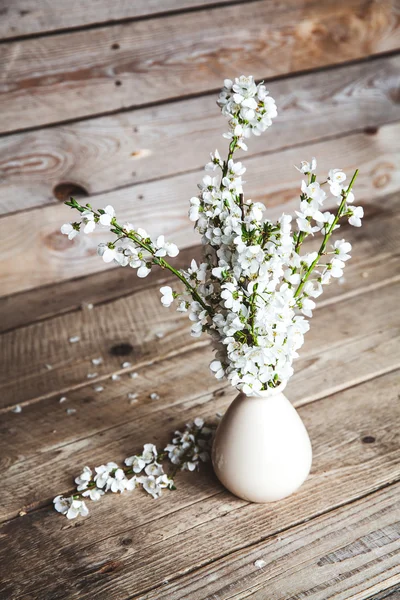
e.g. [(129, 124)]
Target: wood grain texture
[(53, 258), (27, 17), (392, 593), (72, 75), (374, 261), (104, 153), (153, 542), (345, 554)]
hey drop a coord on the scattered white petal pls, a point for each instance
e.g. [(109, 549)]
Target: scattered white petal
[(91, 375), (126, 365), (133, 375), (260, 563), (48, 367), (74, 339), (115, 377), (154, 396), (97, 361), (62, 399), (16, 409), (70, 411), (132, 396), (87, 306), (98, 388), (365, 274), (159, 335)]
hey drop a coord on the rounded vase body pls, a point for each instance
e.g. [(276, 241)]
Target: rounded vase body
[(262, 451)]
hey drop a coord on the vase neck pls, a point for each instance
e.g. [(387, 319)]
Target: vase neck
[(268, 393)]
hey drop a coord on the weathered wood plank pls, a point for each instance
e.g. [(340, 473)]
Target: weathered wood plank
[(101, 154), (347, 553), (27, 17), (68, 76), (374, 261), (151, 542), (392, 593), (271, 177), (79, 294), (333, 359)]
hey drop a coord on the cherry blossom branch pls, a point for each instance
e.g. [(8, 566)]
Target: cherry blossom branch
[(327, 235), (123, 233)]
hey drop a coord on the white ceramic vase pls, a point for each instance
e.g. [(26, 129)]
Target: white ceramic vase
[(262, 451)]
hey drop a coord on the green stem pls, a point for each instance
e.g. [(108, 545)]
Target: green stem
[(157, 260), (326, 237)]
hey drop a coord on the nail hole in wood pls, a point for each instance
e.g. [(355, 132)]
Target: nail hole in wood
[(115, 46), (63, 191), (121, 349), (371, 130), (126, 541), (368, 439), (118, 83)]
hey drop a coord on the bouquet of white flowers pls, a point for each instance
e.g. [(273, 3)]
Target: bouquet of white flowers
[(255, 290)]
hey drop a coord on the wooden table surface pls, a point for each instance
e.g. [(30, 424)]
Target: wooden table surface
[(119, 104)]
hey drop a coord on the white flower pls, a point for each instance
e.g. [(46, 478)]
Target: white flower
[(93, 493), (107, 252), (231, 296), (151, 485), (313, 191), (83, 479), (143, 271), (149, 453), (342, 249), (88, 221), (103, 473), (217, 369), (356, 214), (77, 508), (194, 209), (336, 176), (154, 469), (164, 248), (167, 296), (136, 462), (62, 504), (306, 167), (69, 230), (336, 267), (106, 218), (118, 482), (70, 507)]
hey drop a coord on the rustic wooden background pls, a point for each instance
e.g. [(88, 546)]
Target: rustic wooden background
[(116, 102)]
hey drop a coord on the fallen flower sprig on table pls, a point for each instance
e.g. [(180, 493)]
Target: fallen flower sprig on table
[(256, 290), (185, 452)]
